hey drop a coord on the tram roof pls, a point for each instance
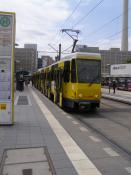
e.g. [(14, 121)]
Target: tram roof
[(75, 55), (80, 54)]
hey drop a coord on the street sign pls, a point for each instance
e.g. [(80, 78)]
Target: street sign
[(7, 42)]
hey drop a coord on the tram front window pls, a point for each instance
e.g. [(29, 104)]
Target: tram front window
[(89, 71)]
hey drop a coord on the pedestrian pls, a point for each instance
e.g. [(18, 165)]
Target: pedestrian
[(26, 82), (109, 84), (32, 81), (114, 86), (21, 83)]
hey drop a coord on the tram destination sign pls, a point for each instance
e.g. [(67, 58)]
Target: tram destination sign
[(7, 41)]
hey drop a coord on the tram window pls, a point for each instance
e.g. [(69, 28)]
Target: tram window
[(60, 79), (44, 76), (73, 71), (57, 79), (66, 72), (41, 78), (49, 76)]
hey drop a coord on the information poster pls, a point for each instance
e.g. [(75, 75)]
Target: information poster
[(7, 42)]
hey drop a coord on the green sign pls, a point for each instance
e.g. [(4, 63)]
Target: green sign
[(4, 21)]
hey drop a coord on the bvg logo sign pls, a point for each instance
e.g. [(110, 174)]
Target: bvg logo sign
[(4, 21)]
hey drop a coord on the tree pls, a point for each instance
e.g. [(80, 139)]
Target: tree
[(128, 60)]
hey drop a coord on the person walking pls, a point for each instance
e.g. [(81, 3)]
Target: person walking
[(114, 86), (109, 84)]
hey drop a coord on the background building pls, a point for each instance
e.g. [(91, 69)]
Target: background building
[(25, 59), (39, 64), (33, 46), (113, 56), (109, 57), (46, 60)]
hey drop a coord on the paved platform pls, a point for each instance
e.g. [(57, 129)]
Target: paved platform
[(73, 148), (121, 96), (38, 128)]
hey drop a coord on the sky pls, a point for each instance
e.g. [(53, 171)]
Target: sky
[(41, 22)]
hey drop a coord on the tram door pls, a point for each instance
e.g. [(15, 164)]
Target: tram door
[(58, 82)]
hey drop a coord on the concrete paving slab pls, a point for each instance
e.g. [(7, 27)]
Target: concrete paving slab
[(66, 171), (32, 129), (29, 161), (25, 155), (40, 168)]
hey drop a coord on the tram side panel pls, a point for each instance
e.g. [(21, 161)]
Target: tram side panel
[(61, 84)]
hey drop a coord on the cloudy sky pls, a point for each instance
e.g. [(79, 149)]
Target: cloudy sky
[(41, 21)]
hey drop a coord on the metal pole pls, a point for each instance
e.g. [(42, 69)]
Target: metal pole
[(59, 51), (74, 44), (109, 78), (124, 44)]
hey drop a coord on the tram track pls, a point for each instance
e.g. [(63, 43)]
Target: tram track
[(112, 109), (123, 151), (115, 121), (88, 118), (119, 123), (120, 148)]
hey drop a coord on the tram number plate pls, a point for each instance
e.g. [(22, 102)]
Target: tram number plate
[(2, 106)]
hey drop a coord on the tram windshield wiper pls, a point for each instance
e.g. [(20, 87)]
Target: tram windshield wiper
[(93, 80)]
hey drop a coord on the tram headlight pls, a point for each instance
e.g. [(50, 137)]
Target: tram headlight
[(96, 95), (80, 95)]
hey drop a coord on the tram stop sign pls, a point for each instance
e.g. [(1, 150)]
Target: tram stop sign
[(7, 41), (5, 21)]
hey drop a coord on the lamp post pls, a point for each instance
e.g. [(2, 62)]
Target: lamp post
[(15, 61), (16, 64)]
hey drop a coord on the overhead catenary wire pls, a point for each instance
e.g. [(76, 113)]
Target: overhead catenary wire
[(67, 49), (115, 34), (41, 51), (71, 14), (98, 4), (90, 11), (105, 25), (118, 32)]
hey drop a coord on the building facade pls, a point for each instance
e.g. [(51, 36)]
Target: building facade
[(113, 56), (33, 46), (46, 60), (25, 59), (39, 64)]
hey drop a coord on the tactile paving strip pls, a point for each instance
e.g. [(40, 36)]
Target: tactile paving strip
[(22, 100)]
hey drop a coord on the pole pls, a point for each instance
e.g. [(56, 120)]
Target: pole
[(74, 44), (124, 44), (59, 51)]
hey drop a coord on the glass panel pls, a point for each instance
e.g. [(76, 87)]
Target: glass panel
[(89, 71), (73, 71)]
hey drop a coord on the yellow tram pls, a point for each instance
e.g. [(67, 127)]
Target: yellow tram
[(73, 82)]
